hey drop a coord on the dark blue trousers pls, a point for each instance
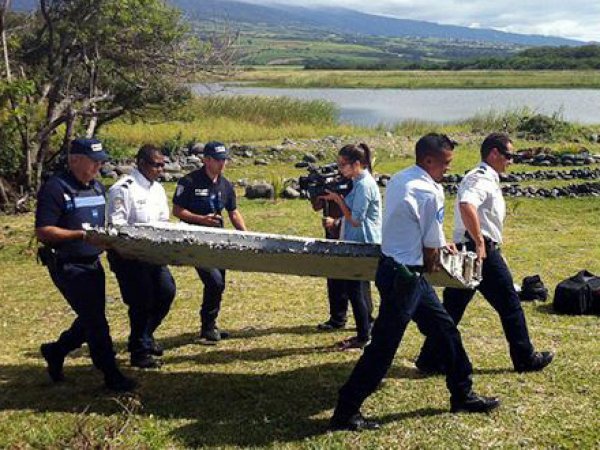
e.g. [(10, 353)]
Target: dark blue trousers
[(338, 300), (338, 294), (83, 286), (148, 290), (214, 286), (402, 300), (498, 289), (359, 293)]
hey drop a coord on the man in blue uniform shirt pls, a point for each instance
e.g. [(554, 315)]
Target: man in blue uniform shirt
[(65, 202), (148, 289), (199, 199), (478, 223), (411, 239)]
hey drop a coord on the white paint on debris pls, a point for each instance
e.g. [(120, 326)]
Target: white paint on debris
[(190, 245)]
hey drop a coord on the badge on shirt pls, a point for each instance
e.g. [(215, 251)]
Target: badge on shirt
[(201, 192), (440, 215)]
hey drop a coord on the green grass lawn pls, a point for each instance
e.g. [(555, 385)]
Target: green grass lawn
[(274, 383)]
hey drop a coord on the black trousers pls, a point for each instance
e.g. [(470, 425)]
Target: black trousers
[(214, 286), (338, 301), (403, 300), (337, 294), (498, 289), (359, 293), (83, 286), (148, 290)]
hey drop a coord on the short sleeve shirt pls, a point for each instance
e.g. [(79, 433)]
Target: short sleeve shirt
[(413, 216), (135, 199), (364, 202), (197, 193), (481, 188)]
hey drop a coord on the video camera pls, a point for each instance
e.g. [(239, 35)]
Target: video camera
[(324, 178)]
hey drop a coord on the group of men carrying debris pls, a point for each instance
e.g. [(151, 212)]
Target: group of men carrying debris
[(412, 237)]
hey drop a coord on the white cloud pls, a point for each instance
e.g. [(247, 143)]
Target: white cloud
[(575, 19)]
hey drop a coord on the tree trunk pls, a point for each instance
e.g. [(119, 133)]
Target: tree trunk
[(4, 200), (3, 10)]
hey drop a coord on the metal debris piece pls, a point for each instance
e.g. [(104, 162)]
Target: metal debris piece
[(182, 244)]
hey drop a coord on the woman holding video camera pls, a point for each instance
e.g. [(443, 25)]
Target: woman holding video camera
[(361, 222)]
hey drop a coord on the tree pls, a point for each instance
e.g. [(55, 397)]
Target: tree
[(91, 61)]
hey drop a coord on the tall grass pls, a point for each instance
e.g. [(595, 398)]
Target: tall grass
[(228, 118), (415, 79)]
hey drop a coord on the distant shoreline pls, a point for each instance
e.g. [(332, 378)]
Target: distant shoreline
[(418, 79)]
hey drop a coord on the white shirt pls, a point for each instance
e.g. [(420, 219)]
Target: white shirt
[(413, 216), (134, 199), (481, 188)]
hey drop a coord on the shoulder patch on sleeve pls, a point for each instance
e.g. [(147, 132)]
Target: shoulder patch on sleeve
[(439, 216), (179, 190)]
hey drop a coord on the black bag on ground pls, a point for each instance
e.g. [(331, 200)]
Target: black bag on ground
[(533, 288), (579, 294)]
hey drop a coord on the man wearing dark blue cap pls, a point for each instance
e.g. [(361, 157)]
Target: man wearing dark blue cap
[(199, 199), (66, 202)]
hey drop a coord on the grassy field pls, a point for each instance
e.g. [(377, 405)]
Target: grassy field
[(274, 383), (484, 79)]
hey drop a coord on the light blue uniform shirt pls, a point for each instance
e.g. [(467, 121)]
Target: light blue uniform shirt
[(364, 202), (414, 216)]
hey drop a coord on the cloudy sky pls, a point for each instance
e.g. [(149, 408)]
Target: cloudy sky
[(576, 19)]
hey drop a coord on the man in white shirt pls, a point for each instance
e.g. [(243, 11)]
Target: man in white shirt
[(147, 289), (478, 223), (411, 241)]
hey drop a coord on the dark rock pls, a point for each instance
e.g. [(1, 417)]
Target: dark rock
[(309, 158), (291, 193), (260, 190)]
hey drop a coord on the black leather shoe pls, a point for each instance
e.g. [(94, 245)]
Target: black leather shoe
[(355, 422), (117, 382), (330, 325), (224, 334), (144, 361), (210, 336), (54, 360), (537, 362), (474, 403), (156, 349)]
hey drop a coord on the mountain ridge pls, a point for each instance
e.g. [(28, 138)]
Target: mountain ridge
[(349, 21)]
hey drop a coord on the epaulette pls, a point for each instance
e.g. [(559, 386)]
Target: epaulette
[(126, 182)]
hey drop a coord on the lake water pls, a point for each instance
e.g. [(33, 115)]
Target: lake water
[(387, 106)]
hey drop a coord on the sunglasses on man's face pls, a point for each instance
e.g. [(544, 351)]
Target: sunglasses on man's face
[(156, 165), (508, 155)]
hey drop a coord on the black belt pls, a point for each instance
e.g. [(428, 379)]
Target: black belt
[(78, 259), (418, 270), (489, 244)]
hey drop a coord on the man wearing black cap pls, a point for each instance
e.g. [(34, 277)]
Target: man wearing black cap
[(199, 199), (66, 202), (478, 223)]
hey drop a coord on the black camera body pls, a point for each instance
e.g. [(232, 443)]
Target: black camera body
[(323, 179)]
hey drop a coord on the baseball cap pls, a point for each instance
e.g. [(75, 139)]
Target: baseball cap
[(92, 148), (216, 150)]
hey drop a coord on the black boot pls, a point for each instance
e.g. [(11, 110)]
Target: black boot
[(54, 359), (144, 360), (473, 403), (355, 422), (537, 362), (117, 382)]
